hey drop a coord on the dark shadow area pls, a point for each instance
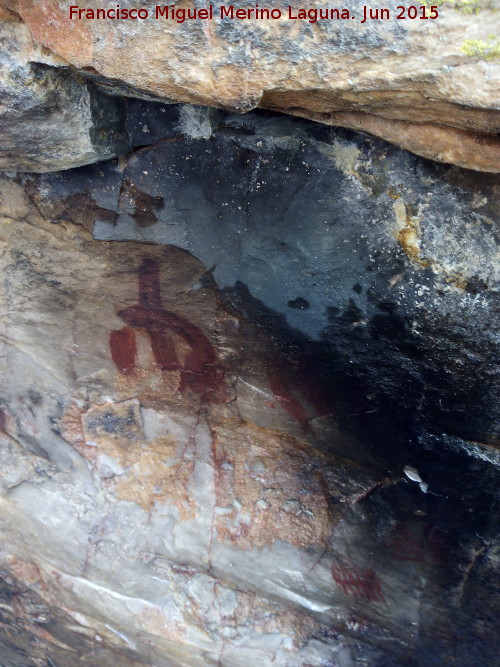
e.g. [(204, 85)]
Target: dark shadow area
[(372, 378)]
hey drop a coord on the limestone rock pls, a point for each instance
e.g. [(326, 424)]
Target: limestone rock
[(411, 82), (391, 254), (50, 118), (141, 503), (215, 378)]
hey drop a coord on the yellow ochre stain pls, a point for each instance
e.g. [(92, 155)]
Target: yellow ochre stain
[(408, 232)]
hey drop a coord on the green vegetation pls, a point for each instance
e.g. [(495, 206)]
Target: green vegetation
[(480, 48)]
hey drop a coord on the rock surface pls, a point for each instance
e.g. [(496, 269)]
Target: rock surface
[(411, 82), (387, 251), (50, 119), (248, 414), (248, 407)]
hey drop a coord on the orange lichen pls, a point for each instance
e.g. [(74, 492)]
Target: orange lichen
[(29, 573), (270, 487), (155, 475), (52, 27), (111, 437), (70, 426), (154, 388)]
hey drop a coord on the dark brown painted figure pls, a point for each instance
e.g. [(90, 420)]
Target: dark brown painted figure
[(359, 583), (200, 371), (123, 349), (294, 385), (419, 542)]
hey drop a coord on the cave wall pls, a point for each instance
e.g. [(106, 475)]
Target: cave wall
[(430, 85), (248, 407), (231, 356)]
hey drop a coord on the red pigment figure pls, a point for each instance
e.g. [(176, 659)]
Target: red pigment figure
[(423, 544), (436, 543), (285, 397), (199, 371), (290, 386), (123, 349), (407, 546), (358, 583)]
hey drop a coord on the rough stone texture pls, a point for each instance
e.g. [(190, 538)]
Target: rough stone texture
[(386, 250), (248, 406), (51, 119), (407, 81)]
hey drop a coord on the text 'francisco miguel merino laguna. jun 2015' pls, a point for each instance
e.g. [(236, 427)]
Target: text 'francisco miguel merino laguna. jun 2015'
[(258, 12)]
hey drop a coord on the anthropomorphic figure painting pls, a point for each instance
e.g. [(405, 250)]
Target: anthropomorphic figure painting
[(199, 370)]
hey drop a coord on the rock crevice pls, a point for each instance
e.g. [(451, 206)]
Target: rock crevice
[(407, 82)]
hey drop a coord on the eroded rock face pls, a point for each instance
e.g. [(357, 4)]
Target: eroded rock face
[(375, 255), (225, 433), (49, 118), (410, 82), (148, 464)]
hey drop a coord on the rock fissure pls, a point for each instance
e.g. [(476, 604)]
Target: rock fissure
[(410, 99)]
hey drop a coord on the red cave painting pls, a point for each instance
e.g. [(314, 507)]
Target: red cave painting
[(123, 349), (200, 371), (418, 543), (294, 388), (435, 540), (407, 545), (360, 583), (284, 395)]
